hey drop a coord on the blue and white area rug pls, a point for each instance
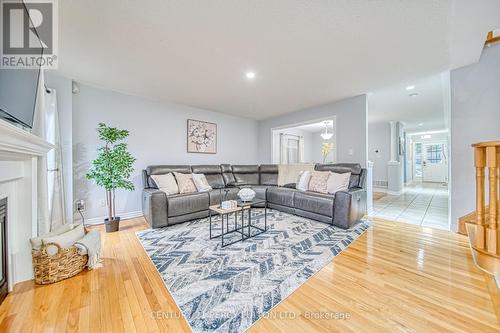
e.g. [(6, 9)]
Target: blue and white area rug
[(228, 289)]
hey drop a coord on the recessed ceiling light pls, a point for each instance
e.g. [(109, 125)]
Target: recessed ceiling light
[(410, 87), (413, 95), (426, 136), (250, 75), (421, 124)]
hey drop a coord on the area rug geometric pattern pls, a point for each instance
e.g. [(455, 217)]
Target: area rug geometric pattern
[(228, 289)]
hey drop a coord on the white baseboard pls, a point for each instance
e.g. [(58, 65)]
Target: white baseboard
[(123, 216)]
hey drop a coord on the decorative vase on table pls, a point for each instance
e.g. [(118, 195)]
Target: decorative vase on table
[(246, 194)]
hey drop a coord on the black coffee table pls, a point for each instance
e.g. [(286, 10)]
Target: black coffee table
[(245, 229)]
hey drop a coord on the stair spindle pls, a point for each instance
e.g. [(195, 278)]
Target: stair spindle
[(491, 161), (480, 163)]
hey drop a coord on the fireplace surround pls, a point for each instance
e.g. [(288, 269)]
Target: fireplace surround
[(3, 250)]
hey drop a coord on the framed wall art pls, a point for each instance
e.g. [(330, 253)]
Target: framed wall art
[(201, 137)]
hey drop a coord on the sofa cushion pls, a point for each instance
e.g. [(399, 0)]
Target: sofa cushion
[(268, 174), (260, 191), (246, 174), (319, 181), (180, 204), (213, 173), (281, 196), (215, 194), (166, 183), (185, 182), (164, 169), (317, 203), (227, 174)]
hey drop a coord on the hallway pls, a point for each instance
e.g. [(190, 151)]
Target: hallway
[(424, 204)]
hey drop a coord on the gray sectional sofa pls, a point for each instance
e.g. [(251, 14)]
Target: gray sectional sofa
[(341, 209)]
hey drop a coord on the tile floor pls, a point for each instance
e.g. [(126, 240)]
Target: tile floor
[(424, 204)]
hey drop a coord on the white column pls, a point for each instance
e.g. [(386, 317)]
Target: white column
[(394, 172), (393, 141)]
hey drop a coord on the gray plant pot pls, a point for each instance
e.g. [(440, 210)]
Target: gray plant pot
[(113, 225)]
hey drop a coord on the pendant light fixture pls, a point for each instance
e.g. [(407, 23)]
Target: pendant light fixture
[(326, 135)]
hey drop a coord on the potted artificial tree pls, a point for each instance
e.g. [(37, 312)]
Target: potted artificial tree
[(111, 169)]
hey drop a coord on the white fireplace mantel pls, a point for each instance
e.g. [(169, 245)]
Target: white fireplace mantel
[(19, 152), (14, 141)]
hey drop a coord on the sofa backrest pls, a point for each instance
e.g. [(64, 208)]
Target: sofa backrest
[(161, 170), (358, 174), (265, 174), (213, 173), (246, 174), (268, 174)]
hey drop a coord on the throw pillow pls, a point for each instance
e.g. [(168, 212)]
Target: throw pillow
[(303, 181), (201, 183), (318, 182), (64, 240), (338, 182), (36, 242), (166, 183), (185, 182)]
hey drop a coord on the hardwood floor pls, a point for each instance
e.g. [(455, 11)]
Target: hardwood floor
[(394, 278)]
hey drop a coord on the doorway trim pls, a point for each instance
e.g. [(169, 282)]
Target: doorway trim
[(301, 123)]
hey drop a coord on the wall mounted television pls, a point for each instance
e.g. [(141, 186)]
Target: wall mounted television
[(18, 93)]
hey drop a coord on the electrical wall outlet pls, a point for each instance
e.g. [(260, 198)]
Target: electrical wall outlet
[(103, 203), (80, 205)]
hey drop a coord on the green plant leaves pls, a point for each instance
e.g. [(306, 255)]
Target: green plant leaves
[(114, 164)]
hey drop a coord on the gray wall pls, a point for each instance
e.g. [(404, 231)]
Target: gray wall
[(379, 138), (157, 136), (475, 117), (65, 108), (351, 125)]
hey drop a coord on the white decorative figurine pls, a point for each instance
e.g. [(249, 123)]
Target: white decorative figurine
[(246, 194)]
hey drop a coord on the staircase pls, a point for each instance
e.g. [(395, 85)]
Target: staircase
[(482, 225)]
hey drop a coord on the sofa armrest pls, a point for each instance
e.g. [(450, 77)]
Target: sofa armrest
[(154, 207), (349, 207), (290, 185)]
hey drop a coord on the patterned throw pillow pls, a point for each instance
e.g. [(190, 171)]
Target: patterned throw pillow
[(319, 181), (185, 182)]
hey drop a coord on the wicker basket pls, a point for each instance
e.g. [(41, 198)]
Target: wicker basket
[(62, 265)]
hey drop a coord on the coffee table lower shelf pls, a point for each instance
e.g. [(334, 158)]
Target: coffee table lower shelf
[(245, 230)]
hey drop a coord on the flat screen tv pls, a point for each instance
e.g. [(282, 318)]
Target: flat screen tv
[(18, 91)]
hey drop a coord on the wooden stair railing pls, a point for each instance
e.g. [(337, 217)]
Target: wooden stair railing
[(482, 225)]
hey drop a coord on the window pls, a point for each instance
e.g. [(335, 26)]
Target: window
[(293, 151), (418, 160), (434, 154)]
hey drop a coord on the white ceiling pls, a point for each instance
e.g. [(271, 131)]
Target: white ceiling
[(305, 53), (427, 108)]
